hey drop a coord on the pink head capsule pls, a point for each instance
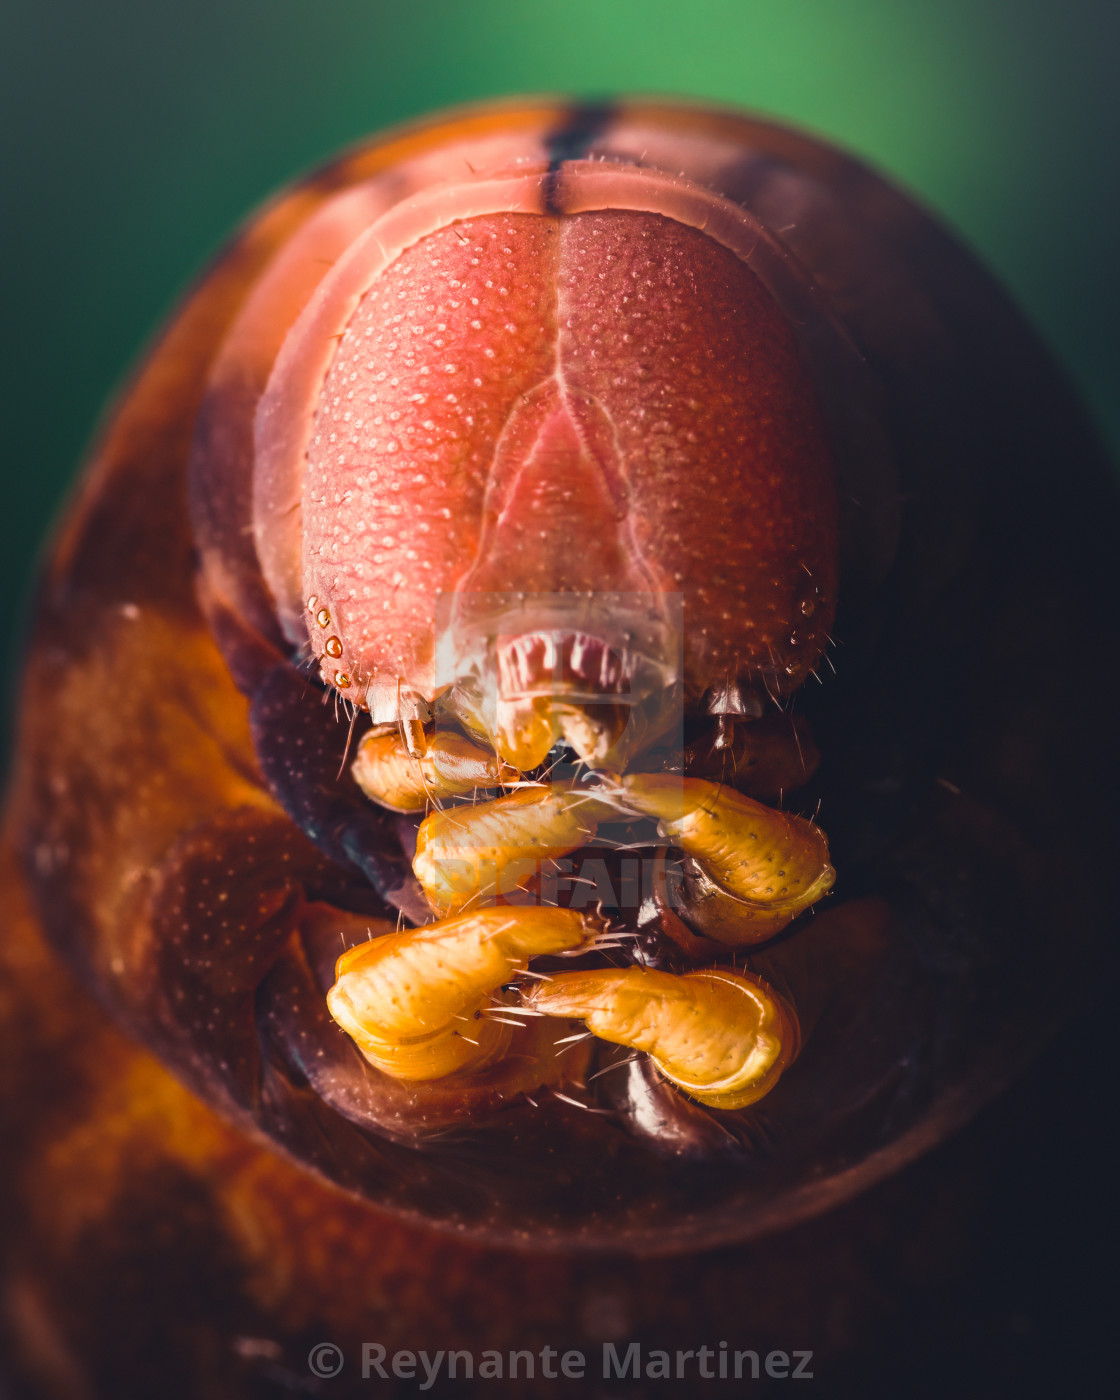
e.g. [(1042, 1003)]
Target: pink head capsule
[(519, 409)]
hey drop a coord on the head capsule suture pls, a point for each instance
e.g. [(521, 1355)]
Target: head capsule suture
[(550, 450)]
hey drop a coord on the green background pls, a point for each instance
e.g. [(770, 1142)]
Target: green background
[(137, 133)]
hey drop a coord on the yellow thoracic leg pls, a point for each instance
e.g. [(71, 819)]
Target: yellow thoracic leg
[(723, 1037), (450, 766), (411, 1000), (468, 856), (754, 868)]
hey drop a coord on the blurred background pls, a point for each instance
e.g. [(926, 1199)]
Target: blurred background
[(137, 133)]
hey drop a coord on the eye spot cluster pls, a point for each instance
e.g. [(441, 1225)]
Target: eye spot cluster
[(331, 647)]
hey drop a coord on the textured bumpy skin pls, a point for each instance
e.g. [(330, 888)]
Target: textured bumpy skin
[(511, 379), (189, 832)]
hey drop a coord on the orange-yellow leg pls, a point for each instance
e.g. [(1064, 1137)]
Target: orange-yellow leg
[(413, 1001), (450, 765), (723, 1037), (468, 856), (752, 870)]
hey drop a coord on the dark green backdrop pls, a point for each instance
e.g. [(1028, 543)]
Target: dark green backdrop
[(137, 132)]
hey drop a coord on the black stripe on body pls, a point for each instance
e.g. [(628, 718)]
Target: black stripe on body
[(573, 139)]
